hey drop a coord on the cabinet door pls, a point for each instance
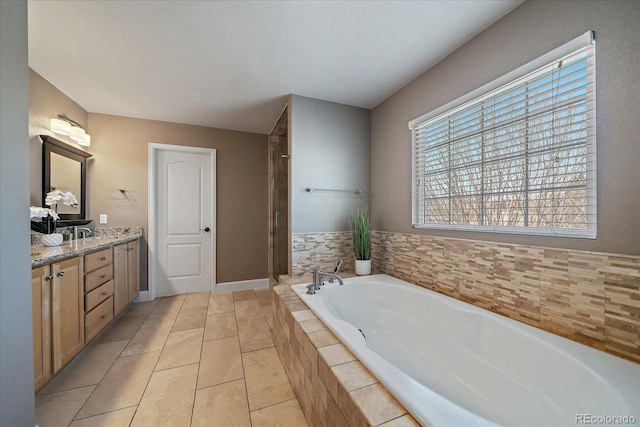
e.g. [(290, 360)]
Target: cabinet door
[(133, 265), (67, 311), (40, 280), (120, 278)]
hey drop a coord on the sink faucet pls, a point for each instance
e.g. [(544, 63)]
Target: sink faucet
[(82, 230)]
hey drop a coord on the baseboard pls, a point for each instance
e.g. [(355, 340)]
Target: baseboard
[(142, 296), (242, 285)]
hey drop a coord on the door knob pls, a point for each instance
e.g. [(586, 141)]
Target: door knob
[(206, 229)]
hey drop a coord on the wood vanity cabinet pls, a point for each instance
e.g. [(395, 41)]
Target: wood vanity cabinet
[(41, 299), (58, 319), (77, 298), (99, 292), (67, 317), (126, 259)]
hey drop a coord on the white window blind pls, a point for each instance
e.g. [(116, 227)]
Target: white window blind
[(517, 158)]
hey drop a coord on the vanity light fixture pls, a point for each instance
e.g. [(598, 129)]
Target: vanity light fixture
[(64, 126)]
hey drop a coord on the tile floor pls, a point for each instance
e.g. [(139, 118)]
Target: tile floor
[(189, 360)]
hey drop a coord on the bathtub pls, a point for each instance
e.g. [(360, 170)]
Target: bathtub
[(450, 363)]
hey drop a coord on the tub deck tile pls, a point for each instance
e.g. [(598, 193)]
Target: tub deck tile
[(322, 371), (377, 405)]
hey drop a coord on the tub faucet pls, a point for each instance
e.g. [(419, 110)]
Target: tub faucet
[(335, 270), (318, 278)]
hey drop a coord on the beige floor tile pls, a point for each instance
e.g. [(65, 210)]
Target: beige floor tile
[(123, 385), (200, 299), (220, 362), (140, 308), (150, 337), (264, 296), (254, 334), (284, 414), (87, 368), (182, 348), (243, 295), (220, 325), (190, 317), (267, 310), (224, 405), (58, 409), (119, 418), (267, 383), (168, 400), (220, 303), (124, 328), (248, 309), (167, 309)]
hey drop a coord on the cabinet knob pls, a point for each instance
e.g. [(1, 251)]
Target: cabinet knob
[(104, 292), (48, 278), (104, 316), (61, 274), (102, 258), (103, 276)]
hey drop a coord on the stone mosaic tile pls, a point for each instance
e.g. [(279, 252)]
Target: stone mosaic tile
[(621, 278), (591, 298), (311, 250)]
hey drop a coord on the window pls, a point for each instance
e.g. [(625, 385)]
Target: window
[(515, 156)]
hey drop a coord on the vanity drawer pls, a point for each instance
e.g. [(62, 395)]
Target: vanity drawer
[(96, 320), (98, 259), (98, 295), (97, 278)]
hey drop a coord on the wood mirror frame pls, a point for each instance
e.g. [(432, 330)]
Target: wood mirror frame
[(52, 145)]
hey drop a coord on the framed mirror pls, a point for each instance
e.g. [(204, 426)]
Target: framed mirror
[(64, 168)]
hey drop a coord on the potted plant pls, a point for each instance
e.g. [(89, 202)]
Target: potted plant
[(48, 228), (361, 241)]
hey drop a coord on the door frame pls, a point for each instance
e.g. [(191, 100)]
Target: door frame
[(154, 149)]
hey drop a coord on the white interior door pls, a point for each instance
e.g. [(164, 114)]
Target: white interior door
[(185, 220)]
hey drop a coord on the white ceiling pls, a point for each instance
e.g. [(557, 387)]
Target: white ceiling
[(231, 64)]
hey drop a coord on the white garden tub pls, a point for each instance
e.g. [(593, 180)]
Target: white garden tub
[(453, 364)]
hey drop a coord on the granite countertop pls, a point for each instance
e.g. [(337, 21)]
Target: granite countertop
[(41, 254)]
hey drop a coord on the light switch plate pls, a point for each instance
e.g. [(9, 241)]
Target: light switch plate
[(103, 218)]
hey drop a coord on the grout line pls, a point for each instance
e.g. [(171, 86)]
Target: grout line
[(156, 364), (244, 374), (204, 328), (106, 412)]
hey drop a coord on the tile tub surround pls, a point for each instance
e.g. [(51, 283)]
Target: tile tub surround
[(592, 298), (44, 254), (311, 250), (333, 388)]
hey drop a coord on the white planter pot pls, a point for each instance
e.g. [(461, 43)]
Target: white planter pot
[(54, 239), (363, 267)]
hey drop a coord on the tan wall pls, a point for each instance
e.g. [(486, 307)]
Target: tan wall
[(120, 150), (530, 30), (45, 102), (120, 147)]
